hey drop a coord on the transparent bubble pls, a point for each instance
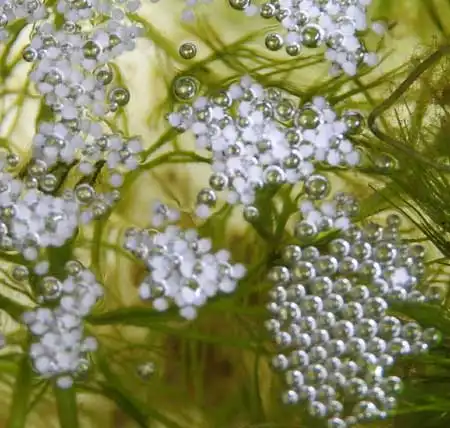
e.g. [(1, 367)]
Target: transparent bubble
[(84, 193), (293, 49), (352, 311), (218, 181), (398, 346), (119, 96), (333, 303), (356, 388), (349, 369), (375, 307), (20, 273), (335, 347), (337, 380), (389, 327), (185, 87), (317, 409), (91, 50), (278, 294), (326, 319), (322, 286), (296, 292), (385, 162), (50, 288), (366, 328), (365, 410), (279, 274), (82, 369), (311, 253), (37, 168), (239, 4), (316, 374), (283, 339), (29, 54), (308, 323), (274, 42), (268, 10), (317, 186), (299, 358), (284, 110), (336, 423), (188, 50), (290, 397), (339, 247), (431, 336), (207, 197), (48, 183), (376, 346), (73, 267), (294, 378), (354, 122), (305, 230), (251, 213), (272, 325), (280, 362), (308, 118), (312, 36), (303, 271), (104, 75), (274, 175), (348, 265)]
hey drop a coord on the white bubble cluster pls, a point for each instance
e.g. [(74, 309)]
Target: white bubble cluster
[(336, 24), (258, 137), (329, 316), (71, 69), (183, 269), (13, 10), (31, 220), (61, 347)]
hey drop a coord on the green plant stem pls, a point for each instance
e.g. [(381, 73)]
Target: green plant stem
[(390, 101), (21, 394), (67, 407)]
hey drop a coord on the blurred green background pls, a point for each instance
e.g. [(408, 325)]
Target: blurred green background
[(214, 372)]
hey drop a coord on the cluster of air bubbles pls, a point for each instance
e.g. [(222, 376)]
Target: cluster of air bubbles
[(188, 50), (72, 71), (337, 25), (61, 348), (83, 10), (84, 142), (14, 10), (330, 321), (71, 68), (31, 220), (318, 215), (260, 137), (183, 270)]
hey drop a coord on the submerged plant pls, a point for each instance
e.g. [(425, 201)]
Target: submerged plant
[(269, 247)]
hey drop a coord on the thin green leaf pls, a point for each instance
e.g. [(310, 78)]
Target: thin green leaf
[(66, 403), (21, 395), (426, 315), (143, 317), (12, 308)]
